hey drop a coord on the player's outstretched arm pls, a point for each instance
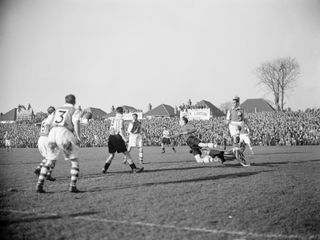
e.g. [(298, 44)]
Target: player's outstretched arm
[(178, 134), (185, 132)]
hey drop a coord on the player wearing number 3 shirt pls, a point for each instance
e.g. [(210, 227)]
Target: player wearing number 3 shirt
[(65, 136)]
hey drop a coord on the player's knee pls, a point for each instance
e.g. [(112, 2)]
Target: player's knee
[(74, 163), (236, 152), (49, 163)]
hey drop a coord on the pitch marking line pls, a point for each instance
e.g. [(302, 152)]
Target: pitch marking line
[(191, 229)]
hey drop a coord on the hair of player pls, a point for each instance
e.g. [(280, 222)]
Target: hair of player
[(185, 119), (135, 115), (51, 109), (119, 110), (236, 99), (71, 99)]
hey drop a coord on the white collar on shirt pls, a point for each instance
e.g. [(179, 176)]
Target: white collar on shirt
[(68, 105)]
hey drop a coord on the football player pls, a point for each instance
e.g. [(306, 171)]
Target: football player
[(7, 141), (211, 154), (235, 120), (64, 136), (135, 137), (244, 137), (193, 142), (117, 142), (43, 143), (165, 140)]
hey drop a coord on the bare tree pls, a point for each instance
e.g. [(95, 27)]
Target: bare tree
[(279, 76)]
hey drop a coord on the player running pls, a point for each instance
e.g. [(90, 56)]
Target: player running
[(165, 140), (65, 136), (235, 120), (244, 137), (43, 143)]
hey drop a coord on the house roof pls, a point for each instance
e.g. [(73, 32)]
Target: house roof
[(163, 110), (9, 116), (97, 113), (256, 105), (216, 112)]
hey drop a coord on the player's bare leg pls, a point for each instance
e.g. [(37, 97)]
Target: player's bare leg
[(251, 148), (207, 145), (131, 163), (125, 157), (108, 163), (173, 148), (163, 148)]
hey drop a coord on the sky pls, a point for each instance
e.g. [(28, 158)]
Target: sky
[(136, 52)]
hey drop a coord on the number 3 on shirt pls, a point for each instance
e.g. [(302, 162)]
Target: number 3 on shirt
[(60, 117)]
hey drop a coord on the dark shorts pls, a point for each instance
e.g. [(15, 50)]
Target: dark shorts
[(193, 143), (116, 144), (166, 141)]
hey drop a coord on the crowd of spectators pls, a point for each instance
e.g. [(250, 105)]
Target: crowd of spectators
[(267, 128)]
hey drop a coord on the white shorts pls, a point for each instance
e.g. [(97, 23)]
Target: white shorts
[(245, 138), (61, 138), (43, 146), (7, 143), (234, 128), (135, 140)]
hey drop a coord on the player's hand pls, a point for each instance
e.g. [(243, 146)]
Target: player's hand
[(78, 141)]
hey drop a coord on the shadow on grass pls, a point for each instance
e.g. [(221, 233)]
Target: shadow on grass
[(155, 163), (111, 173), (229, 164), (43, 216), (271, 164), (20, 163), (192, 180), (278, 153)]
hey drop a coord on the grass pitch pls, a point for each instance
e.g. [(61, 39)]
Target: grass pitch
[(175, 198)]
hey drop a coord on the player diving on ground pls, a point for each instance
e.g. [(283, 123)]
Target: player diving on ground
[(211, 154)]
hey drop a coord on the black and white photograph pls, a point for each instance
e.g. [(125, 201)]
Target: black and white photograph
[(160, 119)]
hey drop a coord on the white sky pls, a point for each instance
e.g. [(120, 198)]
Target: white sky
[(136, 52)]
